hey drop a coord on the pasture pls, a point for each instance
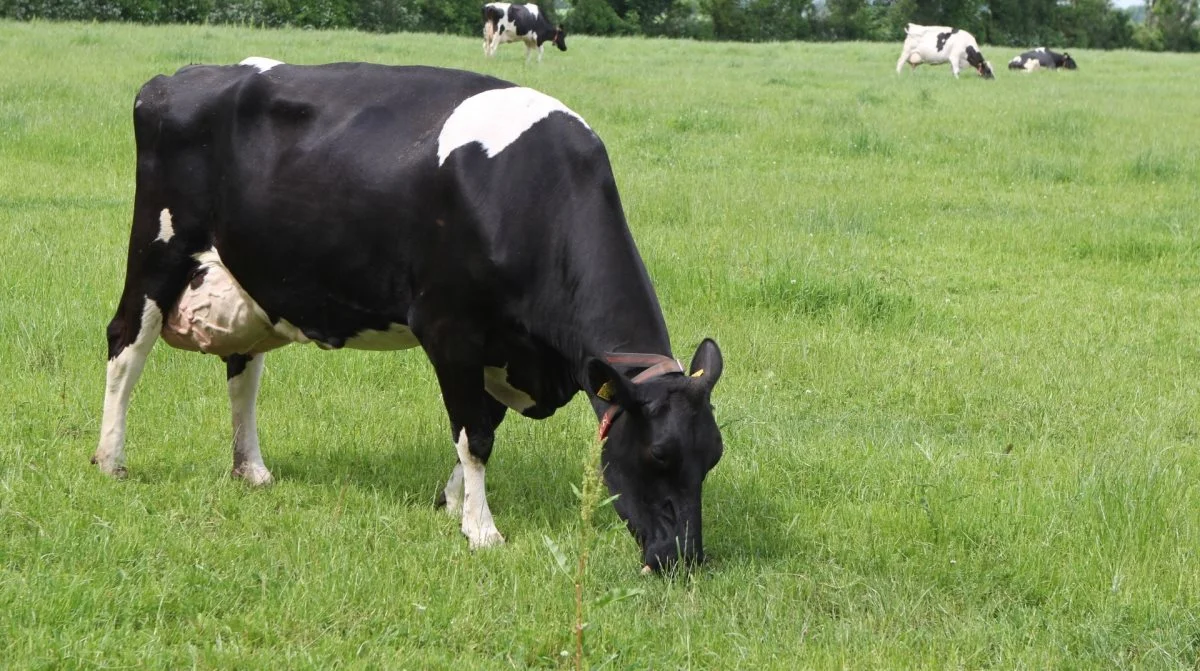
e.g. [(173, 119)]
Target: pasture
[(961, 327)]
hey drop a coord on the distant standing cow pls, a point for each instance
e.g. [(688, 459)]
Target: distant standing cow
[(935, 45), (505, 22), (1042, 58)]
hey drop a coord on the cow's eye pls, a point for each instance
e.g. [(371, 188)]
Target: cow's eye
[(658, 453), (663, 455)]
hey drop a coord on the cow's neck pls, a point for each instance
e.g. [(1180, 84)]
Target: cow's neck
[(609, 302)]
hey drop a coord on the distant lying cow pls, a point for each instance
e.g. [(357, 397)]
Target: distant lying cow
[(935, 45), (505, 22), (1042, 58)]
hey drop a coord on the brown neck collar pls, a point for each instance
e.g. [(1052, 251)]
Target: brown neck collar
[(656, 365)]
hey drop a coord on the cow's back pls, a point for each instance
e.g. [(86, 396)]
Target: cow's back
[(326, 196)]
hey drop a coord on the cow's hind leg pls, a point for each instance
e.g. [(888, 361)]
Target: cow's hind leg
[(244, 372), (159, 264), (131, 335)]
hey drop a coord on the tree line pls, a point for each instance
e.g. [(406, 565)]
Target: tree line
[(1166, 24)]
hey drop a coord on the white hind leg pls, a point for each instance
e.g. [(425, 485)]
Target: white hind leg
[(124, 369), (245, 373)]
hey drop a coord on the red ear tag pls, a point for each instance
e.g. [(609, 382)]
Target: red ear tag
[(605, 424)]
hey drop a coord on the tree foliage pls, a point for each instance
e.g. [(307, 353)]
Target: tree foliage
[(1169, 24)]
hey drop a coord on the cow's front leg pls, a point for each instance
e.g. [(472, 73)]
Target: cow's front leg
[(244, 372), (477, 523), (451, 495), (474, 417)]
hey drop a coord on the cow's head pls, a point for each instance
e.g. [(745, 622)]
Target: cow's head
[(662, 441), (1068, 62), (559, 38), (975, 59)]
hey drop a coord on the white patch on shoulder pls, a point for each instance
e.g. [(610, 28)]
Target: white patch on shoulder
[(495, 381), (166, 228), (398, 336), (263, 64), (496, 118), (533, 9)]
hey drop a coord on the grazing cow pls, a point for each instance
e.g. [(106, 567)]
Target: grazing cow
[(505, 22), (374, 207), (1042, 58), (938, 44)]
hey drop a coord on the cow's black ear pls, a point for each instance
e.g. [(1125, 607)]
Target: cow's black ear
[(608, 383), (707, 363)]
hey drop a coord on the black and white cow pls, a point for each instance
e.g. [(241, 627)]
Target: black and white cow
[(1042, 58), (506, 22), (374, 207), (935, 45)]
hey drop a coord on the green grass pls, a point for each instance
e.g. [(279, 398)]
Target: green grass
[(961, 330)]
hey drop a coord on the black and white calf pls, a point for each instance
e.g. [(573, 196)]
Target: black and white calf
[(365, 206), (506, 22), (1042, 58), (935, 45)]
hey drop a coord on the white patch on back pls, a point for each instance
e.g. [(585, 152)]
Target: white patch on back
[(495, 119), (495, 381), (166, 229), (263, 64)]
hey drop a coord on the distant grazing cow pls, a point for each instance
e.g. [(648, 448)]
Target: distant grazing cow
[(935, 45), (374, 207), (505, 22), (1042, 58)]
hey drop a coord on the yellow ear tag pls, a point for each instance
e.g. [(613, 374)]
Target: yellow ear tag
[(605, 392), (698, 373)]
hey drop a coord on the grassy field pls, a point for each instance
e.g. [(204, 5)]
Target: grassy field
[(961, 326)]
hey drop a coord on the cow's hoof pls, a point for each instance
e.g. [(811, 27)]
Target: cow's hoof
[(253, 474), (108, 468), (483, 538)]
